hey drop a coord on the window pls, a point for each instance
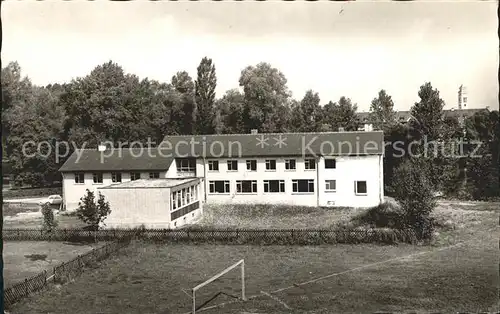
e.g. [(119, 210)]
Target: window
[(79, 178), (290, 164), (246, 186), (184, 198), (360, 187), (232, 165), (218, 186), (174, 200), (310, 164), (213, 165), (330, 164), (303, 186), (186, 165), (252, 165), (270, 164), (135, 176), (97, 177), (330, 185), (274, 186), (465, 99), (116, 177), (154, 175)]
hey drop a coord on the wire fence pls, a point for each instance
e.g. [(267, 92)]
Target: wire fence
[(62, 273), (222, 236)]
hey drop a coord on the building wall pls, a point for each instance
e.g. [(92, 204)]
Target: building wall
[(148, 207), (347, 171), (135, 207), (194, 215), (72, 192), (260, 175)]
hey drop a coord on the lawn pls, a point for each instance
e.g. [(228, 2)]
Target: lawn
[(449, 276), (31, 192), (34, 220), (11, 210), (274, 216), (148, 278), (23, 259), (458, 220)]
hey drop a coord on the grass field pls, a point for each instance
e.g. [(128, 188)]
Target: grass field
[(151, 279), (23, 259), (30, 222), (11, 210), (459, 272), (274, 216)]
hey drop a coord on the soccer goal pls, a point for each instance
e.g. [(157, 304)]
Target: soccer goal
[(222, 273)]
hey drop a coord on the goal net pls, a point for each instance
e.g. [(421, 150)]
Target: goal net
[(241, 264)]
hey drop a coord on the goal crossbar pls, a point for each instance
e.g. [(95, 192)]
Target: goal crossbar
[(222, 273)]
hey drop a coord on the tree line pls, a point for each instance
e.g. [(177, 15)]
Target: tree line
[(111, 105)]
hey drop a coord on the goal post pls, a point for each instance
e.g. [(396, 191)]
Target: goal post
[(222, 273)]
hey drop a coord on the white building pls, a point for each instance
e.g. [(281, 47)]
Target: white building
[(153, 203), (311, 169)]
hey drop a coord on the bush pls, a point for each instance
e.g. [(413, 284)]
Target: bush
[(91, 212), (413, 190), (49, 220), (386, 215)]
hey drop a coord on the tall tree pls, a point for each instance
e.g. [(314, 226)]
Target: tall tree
[(229, 113), (306, 114), (483, 167), (341, 114), (266, 98), (184, 85), (35, 125), (15, 89), (205, 85), (382, 111), (98, 105), (428, 113), (428, 121)]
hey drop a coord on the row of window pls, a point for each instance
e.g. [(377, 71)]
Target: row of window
[(116, 177), (184, 197), (278, 186), (251, 165)]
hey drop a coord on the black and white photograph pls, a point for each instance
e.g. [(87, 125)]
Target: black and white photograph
[(250, 157)]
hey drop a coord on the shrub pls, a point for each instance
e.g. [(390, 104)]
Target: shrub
[(386, 215), (49, 220), (414, 192), (91, 212)]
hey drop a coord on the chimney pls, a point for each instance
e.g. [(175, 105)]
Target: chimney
[(254, 131), (341, 129)]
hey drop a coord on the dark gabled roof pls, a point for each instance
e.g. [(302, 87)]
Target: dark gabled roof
[(125, 159), (268, 144), (226, 145)]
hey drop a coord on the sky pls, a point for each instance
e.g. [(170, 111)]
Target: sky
[(350, 49)]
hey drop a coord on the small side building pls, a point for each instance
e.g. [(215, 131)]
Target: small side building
[(153, 203)]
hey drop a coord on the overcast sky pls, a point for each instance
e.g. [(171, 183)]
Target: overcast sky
[(336, 49)]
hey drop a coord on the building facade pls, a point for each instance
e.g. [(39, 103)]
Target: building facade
[(311, 169), (153, 203)]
